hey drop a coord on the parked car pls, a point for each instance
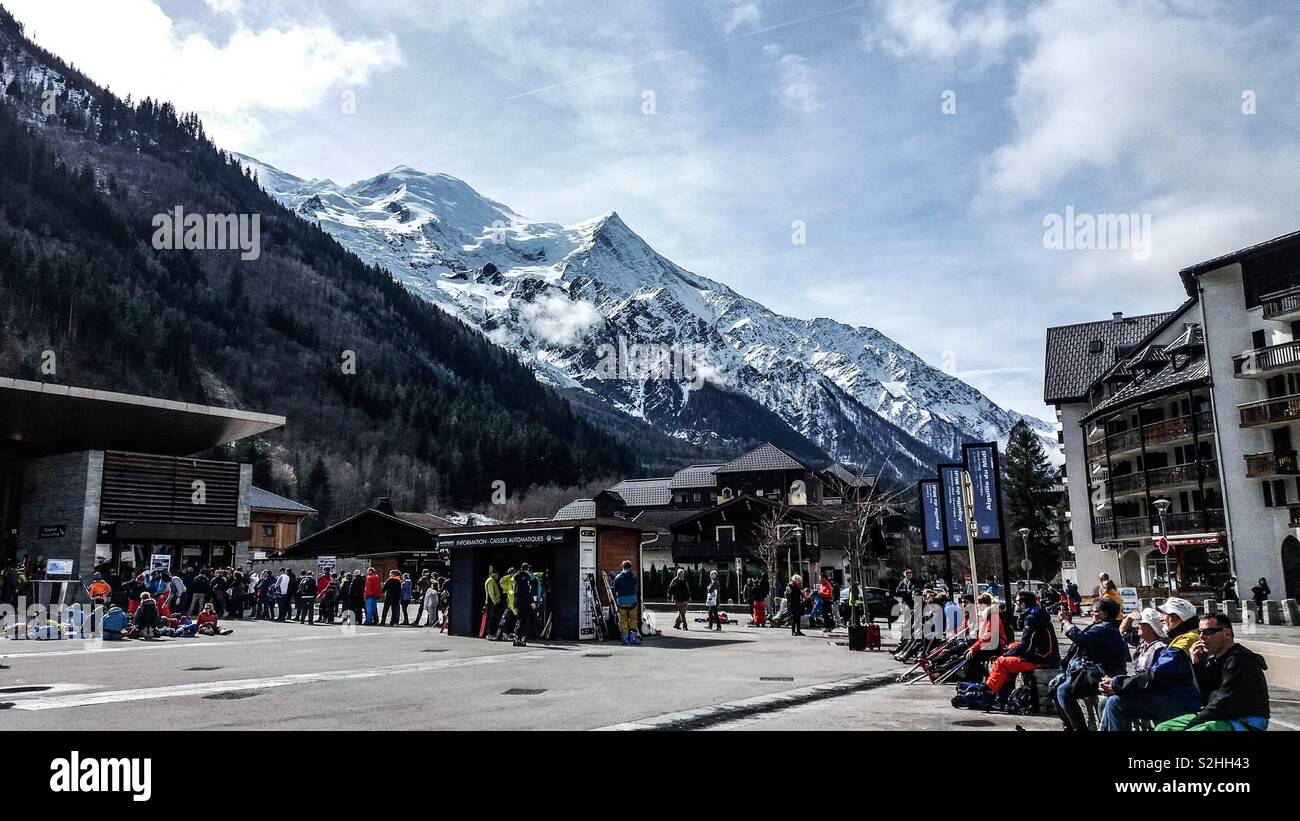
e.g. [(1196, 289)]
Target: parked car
[(880, 603)]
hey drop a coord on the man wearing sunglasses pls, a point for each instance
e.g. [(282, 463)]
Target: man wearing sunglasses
[(1231, 676)]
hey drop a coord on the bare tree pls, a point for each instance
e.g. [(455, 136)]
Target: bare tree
[(772, 530), (863, 503)]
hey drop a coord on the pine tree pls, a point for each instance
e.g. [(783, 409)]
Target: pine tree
[(1026, 484), (316, 490)]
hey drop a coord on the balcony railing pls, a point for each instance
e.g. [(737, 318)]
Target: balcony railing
[(1264, 360), (1270, 411), (1165, 477), (1282, 304), (1197, 521), (1270, 463), (1153, 433)]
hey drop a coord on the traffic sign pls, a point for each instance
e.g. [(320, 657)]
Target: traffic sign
[(1163, 544)]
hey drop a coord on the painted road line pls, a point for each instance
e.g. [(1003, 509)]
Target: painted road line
[(61, 702), (164, 644), (766, 703)]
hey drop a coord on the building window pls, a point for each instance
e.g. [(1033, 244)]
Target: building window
[(1096, 346), (697, 497), (725, 533), (268, 531), (726, 493)]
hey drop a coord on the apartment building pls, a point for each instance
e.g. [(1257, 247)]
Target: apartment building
[(1178, 430)]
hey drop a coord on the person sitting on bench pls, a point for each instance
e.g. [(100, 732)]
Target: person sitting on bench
[(1162, 686), (1232, 679), (1098, 651), (1036, 650)]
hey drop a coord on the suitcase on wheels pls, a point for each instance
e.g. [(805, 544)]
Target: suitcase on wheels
[(873, 636)]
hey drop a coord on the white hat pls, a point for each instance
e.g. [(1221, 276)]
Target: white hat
[(1151, 618), (1181, 608)]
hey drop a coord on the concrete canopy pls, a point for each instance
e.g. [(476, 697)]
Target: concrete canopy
[(39, 419)]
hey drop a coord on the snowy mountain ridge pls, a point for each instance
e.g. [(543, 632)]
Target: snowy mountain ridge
[(561, 298)]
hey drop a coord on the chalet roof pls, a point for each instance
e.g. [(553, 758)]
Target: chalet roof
[(1185, 369), (1078, 355), (1192, 337), (844, 476), (425, 520), (764, 457), (694, 476), (645, 492), (577, 509), (1190, 273), (259, 499), (662, 519)]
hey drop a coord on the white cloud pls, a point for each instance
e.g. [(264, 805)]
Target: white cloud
[(286, 68), (225, 6), (798, 82), (560, 321), (744, 15), (934, 30)]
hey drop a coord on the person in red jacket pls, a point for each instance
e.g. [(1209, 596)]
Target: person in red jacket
[(826, 592), (322, 583), (374, 589)]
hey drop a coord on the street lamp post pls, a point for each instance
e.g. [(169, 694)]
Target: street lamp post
[(1026, 565), (1162, 508)]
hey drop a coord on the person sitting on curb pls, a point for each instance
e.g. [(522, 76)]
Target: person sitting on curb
[(1232, 678), (1180, 623), (207, 623), (1036, 650), (1098, 651), (1162, 686)]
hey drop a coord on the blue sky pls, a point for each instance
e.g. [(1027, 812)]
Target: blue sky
[(924, 224)]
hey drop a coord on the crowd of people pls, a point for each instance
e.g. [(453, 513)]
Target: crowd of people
[(160, 601), (1165, 667)]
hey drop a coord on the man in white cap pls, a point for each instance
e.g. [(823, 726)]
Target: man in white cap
[(1180, 624)]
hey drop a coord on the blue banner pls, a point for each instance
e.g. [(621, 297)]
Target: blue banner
[(956, 531), (982, 465), (931, 515)]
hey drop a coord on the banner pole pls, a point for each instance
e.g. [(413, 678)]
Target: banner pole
[(968, 499)]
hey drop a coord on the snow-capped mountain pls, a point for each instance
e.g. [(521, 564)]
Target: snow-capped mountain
[(591, 307)]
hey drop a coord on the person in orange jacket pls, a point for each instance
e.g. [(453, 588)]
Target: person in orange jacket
[(374, 589)]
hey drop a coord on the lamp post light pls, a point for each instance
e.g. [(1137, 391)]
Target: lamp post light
[(1162, 508), (1026, 565)]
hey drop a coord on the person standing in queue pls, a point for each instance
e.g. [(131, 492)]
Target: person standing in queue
[(524, 604), (625, 596), (794, 603), (392, 598), (493, 598), (373, 590)]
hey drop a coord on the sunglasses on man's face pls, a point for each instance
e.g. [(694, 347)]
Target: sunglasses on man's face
[(1210, 631)]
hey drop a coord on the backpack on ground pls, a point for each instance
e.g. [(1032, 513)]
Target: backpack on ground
[(973, 696), (1023, 701)]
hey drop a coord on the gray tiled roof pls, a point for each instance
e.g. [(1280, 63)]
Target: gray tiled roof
[(1180, 371), (764, 457), (695, 476), (645, 492), (577, 509), (845, 476), (1070, 368), (259, 499)]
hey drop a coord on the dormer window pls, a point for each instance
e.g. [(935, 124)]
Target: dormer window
[(1096, 346)]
